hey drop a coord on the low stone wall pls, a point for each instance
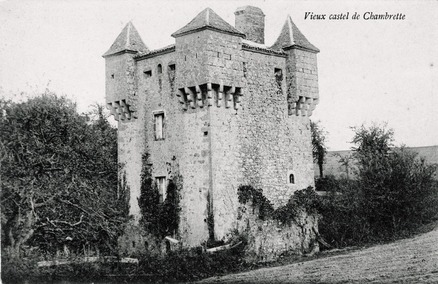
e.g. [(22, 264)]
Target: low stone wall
[(269, 239)]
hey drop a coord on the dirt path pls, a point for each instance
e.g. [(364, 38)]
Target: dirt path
[(412, 260)]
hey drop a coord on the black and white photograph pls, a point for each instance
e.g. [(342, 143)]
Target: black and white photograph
[(234, 141)]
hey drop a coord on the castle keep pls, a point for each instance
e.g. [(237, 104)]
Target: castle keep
[(220, 109)]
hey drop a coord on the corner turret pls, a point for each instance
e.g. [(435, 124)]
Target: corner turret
[(301, 69), (119, 73)]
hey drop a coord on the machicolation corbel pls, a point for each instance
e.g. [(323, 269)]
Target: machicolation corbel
[(207, 94)]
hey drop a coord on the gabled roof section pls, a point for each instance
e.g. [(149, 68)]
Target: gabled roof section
[(208, 19), (128, 40), (291, 36)]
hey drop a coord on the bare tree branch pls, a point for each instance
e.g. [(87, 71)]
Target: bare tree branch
[(65, 222)]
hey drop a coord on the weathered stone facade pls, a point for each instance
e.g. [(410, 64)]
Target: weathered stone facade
[(234, 112)]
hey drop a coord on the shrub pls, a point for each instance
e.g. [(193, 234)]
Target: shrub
[(191, 264), (159, 218), (393, 194), (59, 177)]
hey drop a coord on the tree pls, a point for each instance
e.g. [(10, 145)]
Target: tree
[(346, 161), (393, 192), (319, 149), (58, 176), (397, 187)]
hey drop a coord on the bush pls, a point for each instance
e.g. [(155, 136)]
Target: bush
[(59, 177), (343, 222), (191, 264), (394, 193)]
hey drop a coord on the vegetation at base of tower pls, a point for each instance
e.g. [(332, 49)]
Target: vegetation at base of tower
[(184, 265), (305, 199), (59, 179), (158, 218), (319, 149), (393, 193)]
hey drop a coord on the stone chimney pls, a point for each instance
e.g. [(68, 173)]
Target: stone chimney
[(250, 20)]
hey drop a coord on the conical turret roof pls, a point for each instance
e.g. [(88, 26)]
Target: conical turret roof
[(291, 36), (207, 19), (128, 39)]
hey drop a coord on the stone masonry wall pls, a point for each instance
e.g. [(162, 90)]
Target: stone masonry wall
[(270, 239), (251, 21), (184, 150), (225, 67), (274, 144), (258, 143), (121, 85), (190, 59), (301, 79)]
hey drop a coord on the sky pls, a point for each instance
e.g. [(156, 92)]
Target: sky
[(370, 71)]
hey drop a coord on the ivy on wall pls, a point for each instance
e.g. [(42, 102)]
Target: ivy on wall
[(158, 218), (305, 199)]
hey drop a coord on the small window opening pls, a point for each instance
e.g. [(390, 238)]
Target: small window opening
[(161, 185), (148, 73), (159, 125), (112, 76), (133, 244), (172, 67), (146, 245), (160, 69), (205, 133), (185, 57), (291, 179), (278, 74)]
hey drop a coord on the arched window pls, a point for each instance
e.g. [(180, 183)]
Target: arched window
[(160, 69), (291, 179)]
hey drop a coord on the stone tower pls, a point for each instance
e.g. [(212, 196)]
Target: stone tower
[(218, 108)]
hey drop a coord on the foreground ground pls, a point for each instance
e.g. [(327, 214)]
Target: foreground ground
[(413, 260)]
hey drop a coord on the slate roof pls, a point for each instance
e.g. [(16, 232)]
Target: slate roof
[(261, 47), (128, 39), (207, 19), (147, 54), (291, 36)]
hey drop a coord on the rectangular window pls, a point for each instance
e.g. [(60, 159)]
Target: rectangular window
[(161, 185), (159, 126), (147, 73)]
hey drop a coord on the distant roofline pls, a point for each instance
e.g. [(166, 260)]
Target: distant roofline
[(407, 147)]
